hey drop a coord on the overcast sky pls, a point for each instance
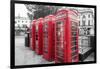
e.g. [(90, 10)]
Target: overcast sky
[(21, 10)]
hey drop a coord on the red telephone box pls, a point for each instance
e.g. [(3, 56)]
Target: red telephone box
[(39, 36), (49, 38), (66, 36), (32, 39)]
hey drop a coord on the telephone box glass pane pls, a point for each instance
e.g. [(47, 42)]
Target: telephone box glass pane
[(45, 37), (59, 40), (74, 40)]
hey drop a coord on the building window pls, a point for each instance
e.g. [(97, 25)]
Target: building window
[(83, 20), (89, 22), (89, 16), (18, 21)]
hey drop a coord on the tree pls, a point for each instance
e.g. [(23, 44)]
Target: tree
[(37, 11)]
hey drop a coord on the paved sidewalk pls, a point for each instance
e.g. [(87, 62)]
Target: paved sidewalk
[(24, 55)]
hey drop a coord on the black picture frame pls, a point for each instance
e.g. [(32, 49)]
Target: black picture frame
[(12, 34)]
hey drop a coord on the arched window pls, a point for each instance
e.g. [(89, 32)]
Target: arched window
[(89, 22), (83, 20), (90, 19), (18, 21), (89, 16)]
